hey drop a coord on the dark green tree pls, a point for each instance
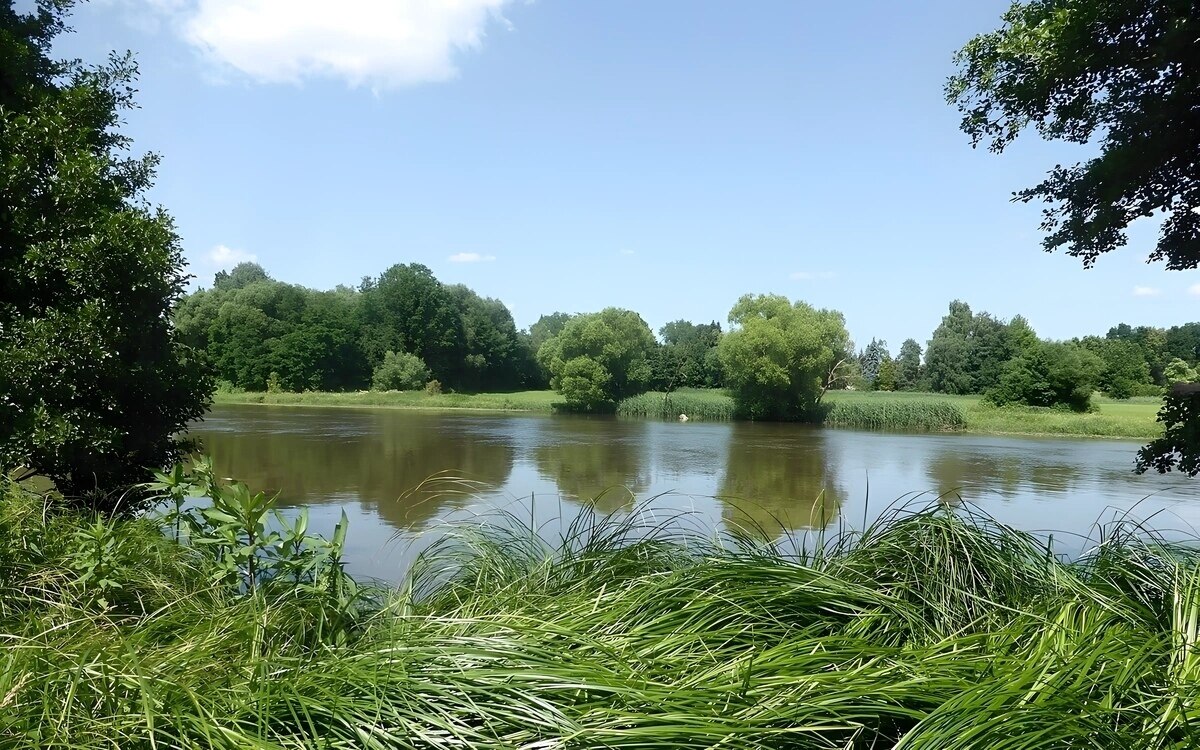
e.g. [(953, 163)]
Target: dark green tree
[(490, 341), (1179, 447), (688, 357), (1121, 73), (1125, 370), (908, 366), (95, 385), (948, 357), (407, 309), (1052, 374)]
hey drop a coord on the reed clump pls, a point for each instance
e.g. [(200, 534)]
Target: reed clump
[(927, 631), (702, 404), (897, 414)]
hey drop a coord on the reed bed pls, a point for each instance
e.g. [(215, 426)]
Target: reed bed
[(705, 405), (927, 631), (897, 414)]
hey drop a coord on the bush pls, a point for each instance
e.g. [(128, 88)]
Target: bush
[(1053, 374), (400, 372), (433, 388)]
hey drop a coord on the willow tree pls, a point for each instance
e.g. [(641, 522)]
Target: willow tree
[(780, 357)]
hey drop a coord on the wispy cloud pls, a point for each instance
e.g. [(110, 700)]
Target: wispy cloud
[(470, 258), (1194, 289), (225, 256), (812, 275), (626, 251), (379, 43), (1146, 291)]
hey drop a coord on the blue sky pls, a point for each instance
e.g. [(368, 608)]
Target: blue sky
[(663, 156)]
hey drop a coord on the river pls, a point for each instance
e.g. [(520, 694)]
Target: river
[(401, 475)]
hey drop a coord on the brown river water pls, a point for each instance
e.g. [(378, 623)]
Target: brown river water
[(402, 475)]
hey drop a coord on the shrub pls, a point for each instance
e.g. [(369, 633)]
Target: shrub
[(399, 372), (1053, 374), (433, 388)]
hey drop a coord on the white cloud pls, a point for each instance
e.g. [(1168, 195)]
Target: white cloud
[(1146, 291), (380, 43), (470, 258), (626, 251), (1194, 289), (811, 275), (227, 257)]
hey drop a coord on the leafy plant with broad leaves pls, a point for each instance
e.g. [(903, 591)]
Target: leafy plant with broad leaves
[(253, 543)]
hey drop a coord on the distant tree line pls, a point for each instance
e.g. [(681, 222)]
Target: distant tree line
[(976, 353), (405, 330)]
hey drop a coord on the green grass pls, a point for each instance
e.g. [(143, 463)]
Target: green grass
[(1133, 419), (537, 401), (927, 632)]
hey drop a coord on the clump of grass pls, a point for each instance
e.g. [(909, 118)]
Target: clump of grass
[(896, 414), (706, 405), (928, 630)]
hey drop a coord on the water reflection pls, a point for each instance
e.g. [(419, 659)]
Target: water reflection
[(603, 461), (381, 459), (775, 481), (955, 473), (775, 478)]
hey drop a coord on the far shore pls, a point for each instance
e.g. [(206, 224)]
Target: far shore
[(1134, 419)]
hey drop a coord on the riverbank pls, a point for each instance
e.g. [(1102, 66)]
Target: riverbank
[(1134, 419), (928, 631)]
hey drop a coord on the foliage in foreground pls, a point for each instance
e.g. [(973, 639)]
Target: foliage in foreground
[(94, 382), (1112, 72), (927, 631), (1179, 446)]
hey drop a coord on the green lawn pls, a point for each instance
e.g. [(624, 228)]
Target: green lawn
[(538, 401), (1135, 418)]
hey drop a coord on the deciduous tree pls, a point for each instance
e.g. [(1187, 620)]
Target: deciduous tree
[(1120, 73), (599, 358), (95, 384), (780, 357)]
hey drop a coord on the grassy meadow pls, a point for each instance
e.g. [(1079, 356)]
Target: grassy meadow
[(1133, 419), (928, 632), (536, 401)]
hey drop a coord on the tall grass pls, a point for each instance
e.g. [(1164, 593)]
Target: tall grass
[(707, 405), (928, 631), (896, 414)]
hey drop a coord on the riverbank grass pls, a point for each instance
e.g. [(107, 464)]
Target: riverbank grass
[(1132, 419), (534, 401), (928, 632)]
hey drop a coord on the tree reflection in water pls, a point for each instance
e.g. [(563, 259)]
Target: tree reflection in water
[(777, 482), (599, 461), (400, 464)]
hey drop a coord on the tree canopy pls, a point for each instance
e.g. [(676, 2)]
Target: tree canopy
[(599, 358), (1120, 72), (95, 384), (779, 357)]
